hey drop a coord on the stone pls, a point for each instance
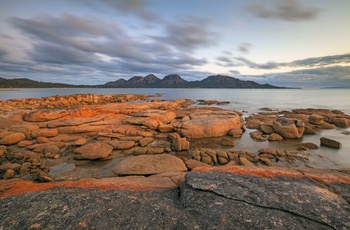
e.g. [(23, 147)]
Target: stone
[(281, 153), (45, 115), (227, 142), (267, 129), (191, 164), (235, 132), (166, 128), (180, 143), (275, 137), (341, 122), (121, 144), (205, 158), (310, 145), (12, 138), (289, 128), (51, 151), (25, 129), (268, 151), (330, 143), (223, 157), (80, 142), (316, 119), (44, 133), (9, 174), (163, 116), (6, 166), (147, 150), (257, 135), (149, 164), (93, 151), (145, 141), (309, 130), (326, 126), (209, 124), (266, 161), (42, 140), (244, 161)]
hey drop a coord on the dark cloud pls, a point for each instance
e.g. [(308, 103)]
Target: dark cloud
[(321, 61), (71, 45), (287, 10), (235, 72), (309, 62), (189, 34), (56, 54), (335, 76), (3, 53)]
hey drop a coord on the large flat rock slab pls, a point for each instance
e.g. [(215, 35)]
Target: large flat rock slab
[(150, 164), (210, 198)]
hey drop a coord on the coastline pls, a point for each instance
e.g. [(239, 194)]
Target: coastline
[(129, 145)]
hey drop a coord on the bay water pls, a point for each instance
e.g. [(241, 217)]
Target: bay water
[(249, 101)]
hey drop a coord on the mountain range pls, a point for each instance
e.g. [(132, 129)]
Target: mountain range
[(175, 81), (150, 81)]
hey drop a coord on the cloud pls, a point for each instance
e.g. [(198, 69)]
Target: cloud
[(244, 47), (321, 61), (334, 76), (287, 10), (134, 7), (231, 61), (235, 72), (254, 65), (188, 34), (78, 46)]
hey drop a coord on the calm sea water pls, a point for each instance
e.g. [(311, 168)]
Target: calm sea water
[(250, 101)]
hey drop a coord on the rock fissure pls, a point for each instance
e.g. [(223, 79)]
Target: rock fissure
[(265, 207)]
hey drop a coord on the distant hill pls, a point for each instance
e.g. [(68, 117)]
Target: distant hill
[(27, 83), (150, 81), (175, 81)]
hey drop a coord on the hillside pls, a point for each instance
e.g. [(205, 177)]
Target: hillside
[(150, 81), (27, 83), (175, 81)]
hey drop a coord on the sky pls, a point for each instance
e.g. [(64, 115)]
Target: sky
[(295, 43)]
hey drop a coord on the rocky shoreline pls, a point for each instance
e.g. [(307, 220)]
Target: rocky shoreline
[(134, 138)]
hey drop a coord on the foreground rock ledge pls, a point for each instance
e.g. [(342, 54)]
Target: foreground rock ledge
[(209, 198)]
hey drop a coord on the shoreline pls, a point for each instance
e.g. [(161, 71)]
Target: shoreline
[(180, 156)]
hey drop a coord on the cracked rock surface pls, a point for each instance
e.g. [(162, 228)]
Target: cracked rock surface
[(210, 198)]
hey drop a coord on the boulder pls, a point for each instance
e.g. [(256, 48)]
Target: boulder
[(149, 164), (257, 135), (275, 137), (121, 144), (310, 145), (309, 130), (289, 128), (93, 151), (12, 138), (330, 143), (51, 151), (244, 161), (236, 132), (267, 129), (25, 129), (9, 174), (209, 124), (341, 122), (44, 133), (145, 141), (316, 119), (45, 115), (191, 164), (180, 144)]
